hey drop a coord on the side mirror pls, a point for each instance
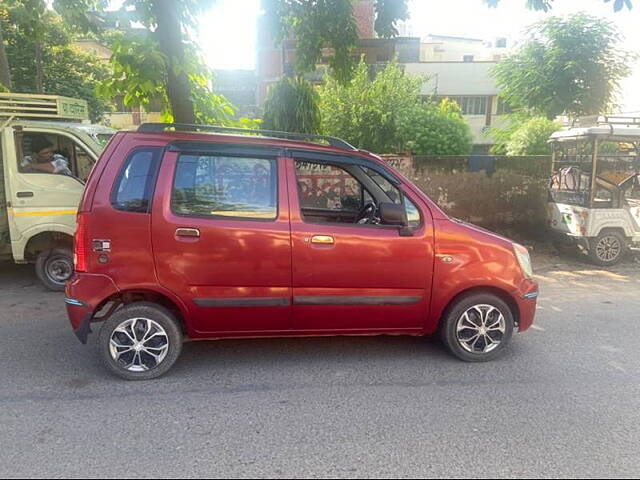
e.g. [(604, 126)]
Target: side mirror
[(393, 214)]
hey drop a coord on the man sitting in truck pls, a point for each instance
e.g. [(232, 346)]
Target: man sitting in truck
[(43, 159)]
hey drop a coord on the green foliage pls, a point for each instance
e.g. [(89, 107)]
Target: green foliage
[(388, 12), (569, 66), (366, 112), (431, 129), (532, 137), (66, 71), (292, 106), (139, 75), (317, 24), (546, 5), (502, 135), (386, 115)]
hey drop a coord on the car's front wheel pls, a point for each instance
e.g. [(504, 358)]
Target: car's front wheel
[(140, 341), (478, 327)]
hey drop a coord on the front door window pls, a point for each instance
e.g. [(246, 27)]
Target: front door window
[(52, 154)]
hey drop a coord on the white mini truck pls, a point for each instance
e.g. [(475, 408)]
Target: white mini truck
[(594, 192), (37, 208)]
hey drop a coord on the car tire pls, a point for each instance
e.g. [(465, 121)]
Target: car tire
[(608, 248), (54, 268), (121, 342), (488, 318)]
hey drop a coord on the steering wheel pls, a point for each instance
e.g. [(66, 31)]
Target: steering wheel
[(367, 213)]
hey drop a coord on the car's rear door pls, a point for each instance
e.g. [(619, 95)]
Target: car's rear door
[(221, 236)]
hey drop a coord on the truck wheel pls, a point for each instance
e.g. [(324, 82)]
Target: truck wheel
[(54, 268), (141, 341), (477, 328), (608, 248)]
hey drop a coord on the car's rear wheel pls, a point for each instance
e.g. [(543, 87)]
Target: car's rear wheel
[(54, 268), (478, 327), (608, 248), (140, 341)]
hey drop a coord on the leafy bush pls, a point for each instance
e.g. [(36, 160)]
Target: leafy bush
[(366, 111), (431, 129), (292, 106), (532, 137)]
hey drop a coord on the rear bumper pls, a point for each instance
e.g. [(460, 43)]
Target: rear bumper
[(84, 294), (527, 300)]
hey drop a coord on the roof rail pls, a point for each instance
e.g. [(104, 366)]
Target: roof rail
[(621, 120), (185, 127)]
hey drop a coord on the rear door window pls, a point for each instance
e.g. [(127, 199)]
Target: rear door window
[(219, 186)]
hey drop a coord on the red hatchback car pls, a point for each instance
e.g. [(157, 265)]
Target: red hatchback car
[(205, 233)]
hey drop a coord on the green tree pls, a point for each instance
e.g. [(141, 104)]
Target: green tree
[(65, 70), (139, 75), (318, 24), (569, 66), (547, 5), (366, 111), (431, 129), (180, 71), (532, 137), (292, 106)]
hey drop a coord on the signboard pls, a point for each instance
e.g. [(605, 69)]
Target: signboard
[(73, 108)]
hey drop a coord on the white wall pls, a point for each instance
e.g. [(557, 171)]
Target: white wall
[(455, 78)]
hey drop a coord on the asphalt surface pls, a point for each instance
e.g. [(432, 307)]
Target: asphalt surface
[(564, 401)]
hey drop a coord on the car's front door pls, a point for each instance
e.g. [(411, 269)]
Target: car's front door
[(349, 276), (221, 238)]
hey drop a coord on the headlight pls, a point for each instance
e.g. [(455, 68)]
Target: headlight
[(522, 254)]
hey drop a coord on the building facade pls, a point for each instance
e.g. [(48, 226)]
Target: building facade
[(454, 67)]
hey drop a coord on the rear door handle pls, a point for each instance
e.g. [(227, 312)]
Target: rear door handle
[(24, 194), (188, 232)]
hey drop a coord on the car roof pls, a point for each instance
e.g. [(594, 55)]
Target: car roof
[(605, 131), (253, 140)]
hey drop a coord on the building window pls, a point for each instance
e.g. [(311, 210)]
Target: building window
[(467, 58), (472, 105), (501, 43)]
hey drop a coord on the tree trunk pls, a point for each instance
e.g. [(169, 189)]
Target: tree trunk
[(5, 73), (39, 72), (169, 35)]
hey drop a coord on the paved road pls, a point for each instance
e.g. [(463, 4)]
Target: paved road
[(563, 401)]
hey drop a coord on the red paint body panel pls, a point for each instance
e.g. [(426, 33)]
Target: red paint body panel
[(232, 259), (259, 260), (480, 259), (364, 261), (93, 289)]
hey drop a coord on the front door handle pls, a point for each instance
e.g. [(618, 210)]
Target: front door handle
[(323, 239), (188, 232), (24, 194)]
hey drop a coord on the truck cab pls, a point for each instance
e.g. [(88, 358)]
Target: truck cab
[(37, 206)]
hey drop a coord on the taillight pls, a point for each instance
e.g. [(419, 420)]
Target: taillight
[(80, 244)]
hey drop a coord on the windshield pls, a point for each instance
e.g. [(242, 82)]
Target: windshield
[(102, 138)]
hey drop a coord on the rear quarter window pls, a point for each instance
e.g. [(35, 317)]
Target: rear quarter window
[(133, 189)]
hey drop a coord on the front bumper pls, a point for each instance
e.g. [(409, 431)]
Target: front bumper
[(527, 300)]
